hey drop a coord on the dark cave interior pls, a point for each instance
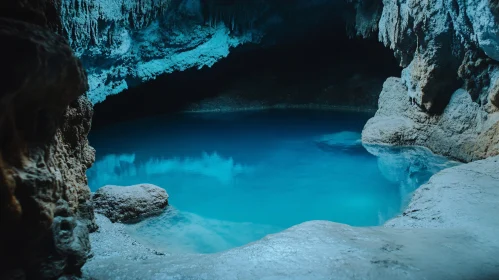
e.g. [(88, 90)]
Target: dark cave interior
[(325, 66)]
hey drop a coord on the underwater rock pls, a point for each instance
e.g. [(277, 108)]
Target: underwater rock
[(130, 204), (411, 167), (44, 152), (464, 131), (450, 220), (343, 138), (403, 164)]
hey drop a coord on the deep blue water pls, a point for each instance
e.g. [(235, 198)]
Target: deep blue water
[(236, 177)]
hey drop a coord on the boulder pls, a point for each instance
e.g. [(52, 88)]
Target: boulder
[(464, 131), (130, 204)]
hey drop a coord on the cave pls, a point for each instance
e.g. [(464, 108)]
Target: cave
[(262, 139), (325, 66)]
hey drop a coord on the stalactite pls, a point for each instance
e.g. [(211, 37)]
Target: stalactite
[(80, 18), (238, 15)]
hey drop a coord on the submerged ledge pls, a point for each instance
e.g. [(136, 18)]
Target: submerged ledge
[(321, 107), (448, 231)]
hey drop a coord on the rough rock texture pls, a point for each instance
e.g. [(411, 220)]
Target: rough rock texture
[(448, 232), (126, 204), (464, 131), (433, 39), (364, 18), (443, 45), (106, 239), (463, 197), (44, 120), (124, 43)]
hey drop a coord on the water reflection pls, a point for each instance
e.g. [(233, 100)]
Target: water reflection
[(409, 166)]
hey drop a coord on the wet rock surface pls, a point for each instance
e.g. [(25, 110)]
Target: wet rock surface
[(464, 131), (411, 166), (130, 204), (444, 234), (44, 152)]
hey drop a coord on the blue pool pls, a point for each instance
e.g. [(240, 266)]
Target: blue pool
[(235, 177)]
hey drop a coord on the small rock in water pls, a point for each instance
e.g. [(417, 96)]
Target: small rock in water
[(343, 140), (130, 204)]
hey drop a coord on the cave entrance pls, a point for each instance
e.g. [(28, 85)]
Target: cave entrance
[(234, 177), (320, 67)]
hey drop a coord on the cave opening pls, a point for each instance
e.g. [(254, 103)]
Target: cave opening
[(324, 66), (288, 149)]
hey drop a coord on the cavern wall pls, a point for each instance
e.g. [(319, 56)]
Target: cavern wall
[(324, 69), (44, 153), (444, 45), (125, 43)]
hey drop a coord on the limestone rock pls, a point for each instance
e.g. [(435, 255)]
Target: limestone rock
[(123, 43), (128, 204), (464, 131), (457, 197), (44, 152), (367, 15), (441, 44), (494, 91)]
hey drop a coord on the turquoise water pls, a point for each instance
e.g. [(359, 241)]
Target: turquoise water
[(235, 177)]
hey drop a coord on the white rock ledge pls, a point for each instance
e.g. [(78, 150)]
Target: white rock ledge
[(449, 231)]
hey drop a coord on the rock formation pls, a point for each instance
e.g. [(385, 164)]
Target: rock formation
[(443, 45), (124, 43), (44, 152), (129, 204), (128, 42), (463, 131)]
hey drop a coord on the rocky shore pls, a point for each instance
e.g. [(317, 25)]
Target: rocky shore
[(448, 231)]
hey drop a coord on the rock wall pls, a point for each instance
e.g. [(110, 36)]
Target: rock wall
[(464, 131), (125, 43), (44, 153), (444, 45)]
